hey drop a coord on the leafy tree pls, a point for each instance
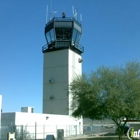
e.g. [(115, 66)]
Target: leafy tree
[(112, 93)]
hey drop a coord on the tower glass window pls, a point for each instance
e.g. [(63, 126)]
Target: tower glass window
[(78, 37), (48, 37), (74, 35), (52, 35), (63, 34)]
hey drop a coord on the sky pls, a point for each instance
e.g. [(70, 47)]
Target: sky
[(111, 36)]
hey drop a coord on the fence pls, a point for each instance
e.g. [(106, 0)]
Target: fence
[(98, 128), (38, 132)]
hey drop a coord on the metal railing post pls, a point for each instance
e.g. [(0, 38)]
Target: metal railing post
[(35, 130)]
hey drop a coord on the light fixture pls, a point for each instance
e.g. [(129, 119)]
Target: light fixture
[(80, 60), (47, 118)]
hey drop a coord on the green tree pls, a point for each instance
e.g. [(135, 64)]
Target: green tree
[(112, 93)]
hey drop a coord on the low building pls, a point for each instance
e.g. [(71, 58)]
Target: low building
[(32, 125)]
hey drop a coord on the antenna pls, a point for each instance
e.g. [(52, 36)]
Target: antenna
[(47, 14), (50, 9), (75, 14), (54, 12), (81, 17), (73, 10)]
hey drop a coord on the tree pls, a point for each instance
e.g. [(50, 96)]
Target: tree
[(112, 93)]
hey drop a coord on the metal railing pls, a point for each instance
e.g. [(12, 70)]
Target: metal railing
[(63, 44)]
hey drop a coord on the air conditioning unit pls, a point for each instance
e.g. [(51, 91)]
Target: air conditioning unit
[(52, 97), (51, 81), (80, 60)]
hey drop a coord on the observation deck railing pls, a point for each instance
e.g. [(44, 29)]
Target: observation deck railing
[(76, 46)]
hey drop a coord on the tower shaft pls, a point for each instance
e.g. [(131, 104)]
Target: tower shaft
[(60, 67)]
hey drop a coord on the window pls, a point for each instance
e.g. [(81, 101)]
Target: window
[(78, 37), (63, 34), (59, 34), (74, 35), (48, 37), (52, 35)]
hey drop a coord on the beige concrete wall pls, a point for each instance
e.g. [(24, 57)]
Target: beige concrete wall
[(75, 68), (60, 66)]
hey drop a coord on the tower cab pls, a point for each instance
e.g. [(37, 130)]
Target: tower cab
[(63, 33)]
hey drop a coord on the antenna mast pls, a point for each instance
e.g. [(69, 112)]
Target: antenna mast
[(47, 14), (50, 9), (73, 10), (81, 17)]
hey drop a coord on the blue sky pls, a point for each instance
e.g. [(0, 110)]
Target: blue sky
[(111, 36)]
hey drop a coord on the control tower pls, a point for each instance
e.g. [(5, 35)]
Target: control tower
[(62, 62)]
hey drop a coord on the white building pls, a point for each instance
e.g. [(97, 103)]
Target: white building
[(32, 125)]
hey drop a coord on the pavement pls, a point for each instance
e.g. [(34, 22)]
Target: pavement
[(92, 136), (95, 138)]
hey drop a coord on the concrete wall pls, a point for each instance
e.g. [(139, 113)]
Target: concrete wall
[(41, 119), (60, 67), (75, 68)]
